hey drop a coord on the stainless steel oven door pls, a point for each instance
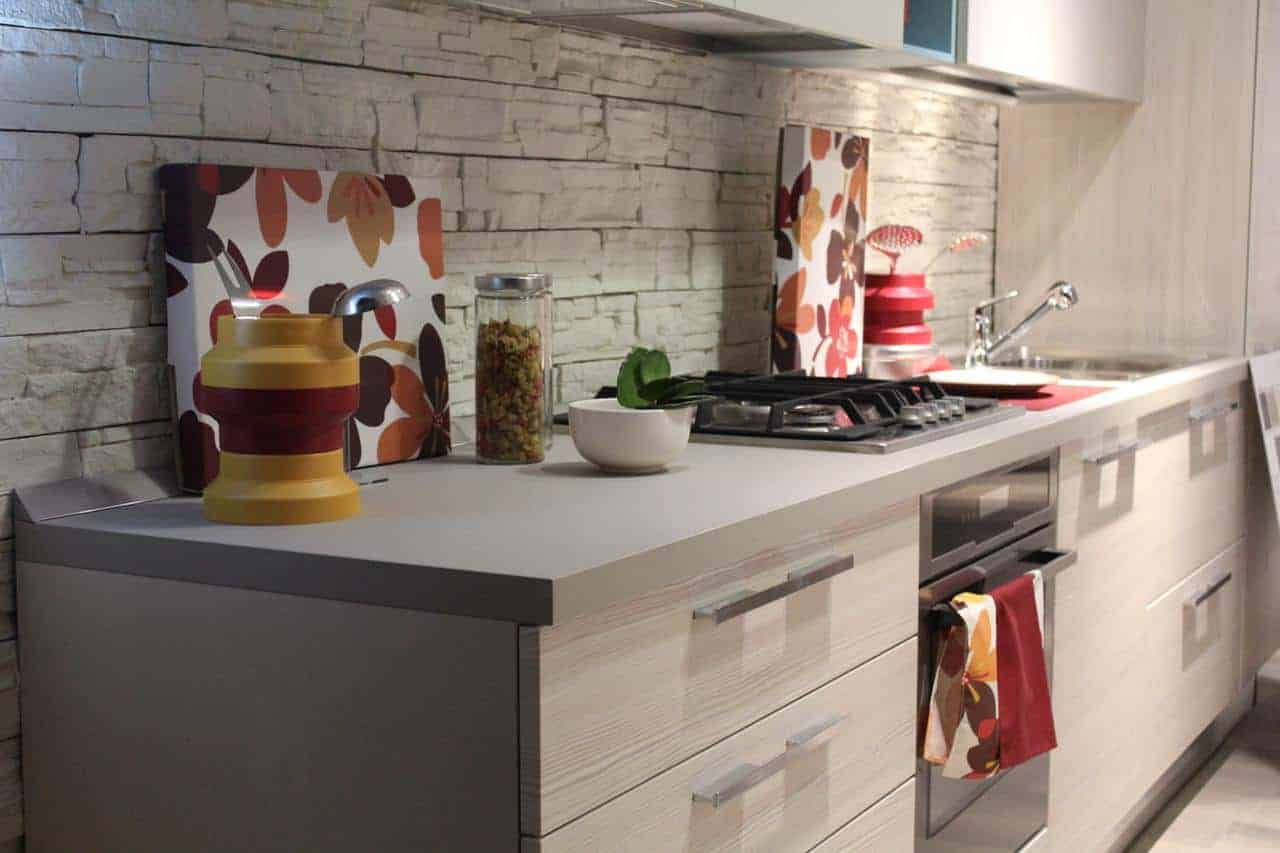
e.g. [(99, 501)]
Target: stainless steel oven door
[(964, 521), (1004, 812)]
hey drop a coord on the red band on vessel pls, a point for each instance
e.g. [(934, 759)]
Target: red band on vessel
[(309, 420)]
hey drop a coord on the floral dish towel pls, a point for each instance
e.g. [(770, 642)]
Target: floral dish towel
[(301, 237), (962, 734), (975, 729)]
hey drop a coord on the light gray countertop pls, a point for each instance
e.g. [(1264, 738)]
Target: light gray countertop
[(544, 543)]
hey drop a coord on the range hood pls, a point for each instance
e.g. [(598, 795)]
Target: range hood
[(702, 25), (999, 50)]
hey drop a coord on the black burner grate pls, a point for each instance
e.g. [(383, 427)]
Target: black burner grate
[(783, 405)]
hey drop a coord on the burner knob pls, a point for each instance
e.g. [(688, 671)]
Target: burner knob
[(943, 408), (957, 406), (912, 416)]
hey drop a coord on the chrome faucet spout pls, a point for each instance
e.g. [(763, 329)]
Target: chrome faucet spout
[(1061, 296)]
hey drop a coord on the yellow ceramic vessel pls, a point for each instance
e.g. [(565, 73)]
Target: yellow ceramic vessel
[(282, 389)]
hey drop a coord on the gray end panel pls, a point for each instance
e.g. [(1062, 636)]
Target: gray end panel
[(160, 715)]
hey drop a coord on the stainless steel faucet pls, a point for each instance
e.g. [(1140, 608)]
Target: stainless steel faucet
[(1061, 296)]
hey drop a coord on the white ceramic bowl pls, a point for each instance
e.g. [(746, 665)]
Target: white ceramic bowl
[(629, 441)]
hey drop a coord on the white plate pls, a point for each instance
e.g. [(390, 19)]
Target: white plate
[(993, 381)]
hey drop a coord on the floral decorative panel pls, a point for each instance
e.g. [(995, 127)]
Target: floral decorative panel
[(302, 237), (819, 266)]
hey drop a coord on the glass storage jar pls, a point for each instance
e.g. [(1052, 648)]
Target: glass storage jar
[(513, 367)]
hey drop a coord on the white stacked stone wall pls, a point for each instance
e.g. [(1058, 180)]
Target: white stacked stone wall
[(640, 177)]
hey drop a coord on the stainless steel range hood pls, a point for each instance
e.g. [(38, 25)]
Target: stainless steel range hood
[(708, 25), (1001, 50)]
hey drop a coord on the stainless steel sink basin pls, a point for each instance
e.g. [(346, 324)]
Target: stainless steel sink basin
[(1104, 367)]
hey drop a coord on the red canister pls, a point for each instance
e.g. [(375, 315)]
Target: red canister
[(895, 310)]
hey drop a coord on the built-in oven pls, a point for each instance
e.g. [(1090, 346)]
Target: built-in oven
[(976, 536)]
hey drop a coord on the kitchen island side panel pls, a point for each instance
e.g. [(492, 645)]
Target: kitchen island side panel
[(164, 716)]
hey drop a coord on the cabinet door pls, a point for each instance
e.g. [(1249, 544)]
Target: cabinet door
[(1091, 46), (875, 23), (1146, 507)]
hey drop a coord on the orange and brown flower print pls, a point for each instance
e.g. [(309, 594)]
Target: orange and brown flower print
[(363, 201), (273, 202), (962, 733), (818, 228)]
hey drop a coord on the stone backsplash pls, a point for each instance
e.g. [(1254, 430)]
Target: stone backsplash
[(640, 177)]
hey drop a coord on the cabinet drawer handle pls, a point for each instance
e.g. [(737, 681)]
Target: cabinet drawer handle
[(745, 776), (1124, 449), (809, 734), (1210, 413), (746, 600), (1209, 591), (736, 782)]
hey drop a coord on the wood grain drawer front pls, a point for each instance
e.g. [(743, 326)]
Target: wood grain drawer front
[(1163, 495), (887, 826), (782, 784), (1194, 637), (1133, 685), (614, 698)]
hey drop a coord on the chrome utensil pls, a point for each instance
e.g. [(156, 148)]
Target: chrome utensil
[(239, 291), (369, 296)]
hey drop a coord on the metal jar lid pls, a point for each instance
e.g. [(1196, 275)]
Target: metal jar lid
[(530, 282)]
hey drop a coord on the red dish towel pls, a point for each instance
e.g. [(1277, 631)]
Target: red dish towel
[(1026, 714)]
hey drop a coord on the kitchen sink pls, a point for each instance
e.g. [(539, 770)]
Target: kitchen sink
[(1103, 367)]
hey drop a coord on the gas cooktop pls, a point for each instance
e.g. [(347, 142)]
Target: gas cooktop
[(853, 414)]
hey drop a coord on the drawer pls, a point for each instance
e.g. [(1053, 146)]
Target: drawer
[(887, 826), (1193, 635), (1164, 494), (784, 783), (614, 698), (1135, 685)]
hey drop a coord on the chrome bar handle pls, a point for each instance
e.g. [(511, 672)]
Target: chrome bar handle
[(1122, 449), (1209, 591), (745, 776), (809, 735), (733, 784), (746, 600), (1211, 413)]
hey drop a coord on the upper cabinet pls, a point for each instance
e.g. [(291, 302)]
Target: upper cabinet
[(1091, 47)]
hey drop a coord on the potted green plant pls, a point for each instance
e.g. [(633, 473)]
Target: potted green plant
[(646, 427)]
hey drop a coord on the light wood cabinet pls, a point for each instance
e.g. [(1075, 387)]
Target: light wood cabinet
[(611, 699), (782, 784), (1192, 635), (1158, 497), (1153, 509), (888, 825), (1095, 47)]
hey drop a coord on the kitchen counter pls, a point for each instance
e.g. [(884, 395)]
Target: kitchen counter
[(543, 544)]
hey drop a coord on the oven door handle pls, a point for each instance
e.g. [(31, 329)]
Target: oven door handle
[(1049, 569), (746, 600)]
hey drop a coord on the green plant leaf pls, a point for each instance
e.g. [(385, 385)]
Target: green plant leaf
[(630, 381), (654, 366), (683, 402), (645, 382), (660, 389)]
